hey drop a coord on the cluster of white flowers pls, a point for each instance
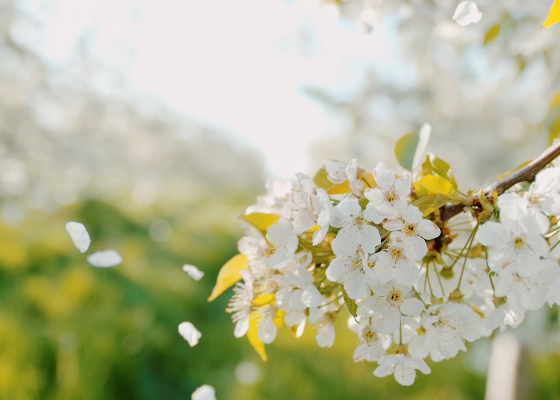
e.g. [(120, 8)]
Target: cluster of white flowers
[(414, 284)]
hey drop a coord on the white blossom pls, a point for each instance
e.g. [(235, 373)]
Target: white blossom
[(340, 172), (413, 231), (351, 268), (324, 324), (371, 345), (447, 326), (542, 197), (396, 263), (403, 367), (390, 195), (266, 327), (284, 242), (241, 303), (513, 245), (356, 228), (387, 304)]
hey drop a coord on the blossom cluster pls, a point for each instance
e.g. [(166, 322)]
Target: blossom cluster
[(376, 248)]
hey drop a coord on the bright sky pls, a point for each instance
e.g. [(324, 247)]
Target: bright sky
[(237, 64)]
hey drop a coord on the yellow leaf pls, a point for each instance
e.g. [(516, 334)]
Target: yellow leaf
[(340, 188), (553, 15), (253, 332), (261, 221), (253, 336), (429, 204), (504, 175), (492, 33), (262, 300), (431, 184), (344, 187), (229, 274), (367, 180), (321, 179)]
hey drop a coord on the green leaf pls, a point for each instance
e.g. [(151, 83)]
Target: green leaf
[(436, 166), (553, 15), (410, 147), (429, 204), (351, 304), (492, 33), (431, 184), (320, 179)]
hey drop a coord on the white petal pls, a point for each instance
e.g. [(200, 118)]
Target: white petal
[(294, 318), (548, 180), (513, 206), (337, 270), (492, 234), (424, 134), (412, 214), (415, 247), (311, 296), (467, 13), (427, 229), (349, 207), (383, 370), (104, 259), (336, 171), (406, 272), (394, 225), (241, 327), (267, 332), (280, 233), (372, 215), (352, 170), (404, 374), (189, 333), (193, 272), (403, 186), (383, 176), (205, 392), (370, 238), (325, 336), (79, 235), (355, 284), (412, 307)]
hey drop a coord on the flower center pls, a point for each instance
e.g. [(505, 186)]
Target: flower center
[(518, 243), (390, 195), (397, 252), (410, 229), (395, 297), (370, 336)]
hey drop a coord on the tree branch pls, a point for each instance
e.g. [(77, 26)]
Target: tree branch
[(525, 174)]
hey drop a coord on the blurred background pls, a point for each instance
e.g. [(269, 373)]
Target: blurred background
[(155, 124)]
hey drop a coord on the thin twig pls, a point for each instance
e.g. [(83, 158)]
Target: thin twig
[(525, 174)]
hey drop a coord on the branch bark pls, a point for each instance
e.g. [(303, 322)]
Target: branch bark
[(525, 174)]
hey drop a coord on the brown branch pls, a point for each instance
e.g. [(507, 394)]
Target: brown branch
[(525, 174)]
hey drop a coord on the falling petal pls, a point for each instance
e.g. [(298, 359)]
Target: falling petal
[(193, 272), (79, 235), (467, 13), (104, 259), (189, 333)]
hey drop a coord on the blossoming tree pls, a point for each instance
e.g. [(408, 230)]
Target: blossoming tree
[(421, 266)]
